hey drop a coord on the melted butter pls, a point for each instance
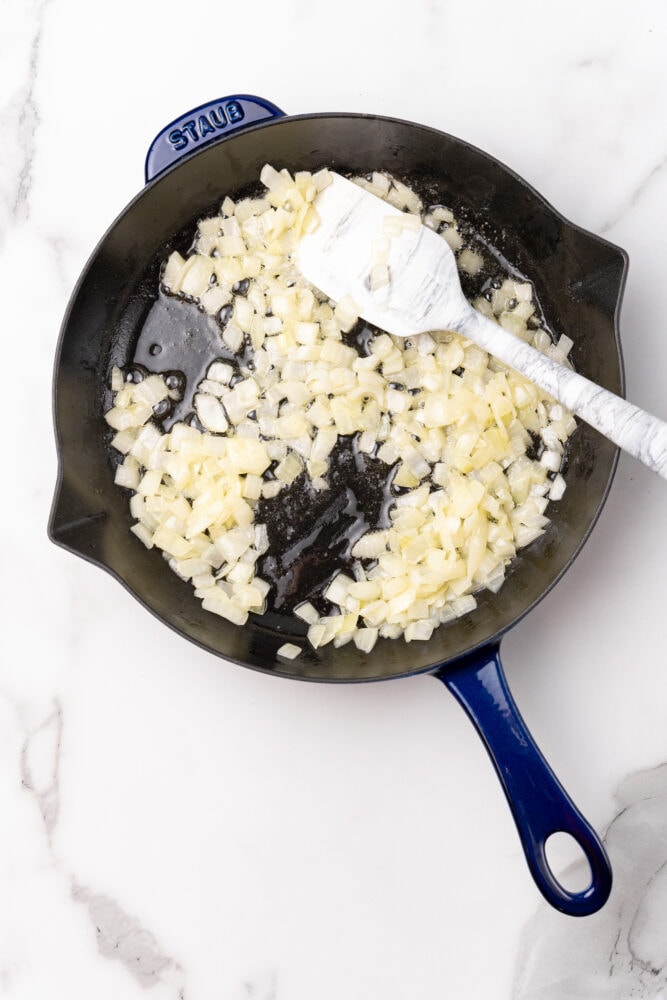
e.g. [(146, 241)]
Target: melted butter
[(312, 532), (180, 339)]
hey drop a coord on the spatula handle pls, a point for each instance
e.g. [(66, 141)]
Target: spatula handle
[(632, 429)]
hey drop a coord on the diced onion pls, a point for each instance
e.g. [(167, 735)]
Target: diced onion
[(452, 423), (289, 650)]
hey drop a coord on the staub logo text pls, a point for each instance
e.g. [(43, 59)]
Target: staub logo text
[(210, 121)]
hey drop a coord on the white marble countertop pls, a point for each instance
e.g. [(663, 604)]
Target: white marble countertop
[(180, 828)]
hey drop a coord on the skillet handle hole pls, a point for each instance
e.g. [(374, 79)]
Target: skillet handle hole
[(567, 862)]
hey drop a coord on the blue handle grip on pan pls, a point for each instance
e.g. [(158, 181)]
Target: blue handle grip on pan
[(205, 124), (539, 804)]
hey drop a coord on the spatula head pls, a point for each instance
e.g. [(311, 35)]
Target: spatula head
[(401, 275)]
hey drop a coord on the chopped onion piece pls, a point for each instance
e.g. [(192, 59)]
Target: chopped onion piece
[(307, 613), (557, 488), (289, 650), (365, 638)]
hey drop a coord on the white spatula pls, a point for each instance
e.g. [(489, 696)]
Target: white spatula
[(423, 293)]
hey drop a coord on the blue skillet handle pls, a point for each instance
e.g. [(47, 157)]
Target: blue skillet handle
[(205, 124), (539, 803)]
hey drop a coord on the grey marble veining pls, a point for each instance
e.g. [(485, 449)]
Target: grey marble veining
[(120, 936), (19, 120), (40, 760), (643, 185), (621, 952), (181, 829)]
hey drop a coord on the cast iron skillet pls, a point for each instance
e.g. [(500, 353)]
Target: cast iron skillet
[(218, 149)]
